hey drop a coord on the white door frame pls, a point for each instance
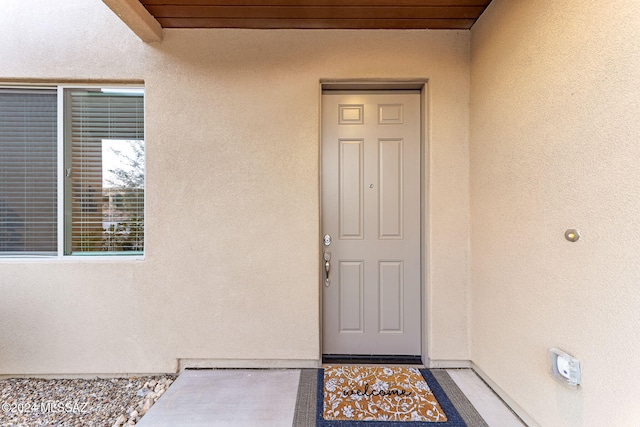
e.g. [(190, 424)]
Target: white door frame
[(381, 84)]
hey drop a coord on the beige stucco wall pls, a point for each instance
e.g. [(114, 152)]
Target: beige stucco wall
[(231, 268), (555, 132)]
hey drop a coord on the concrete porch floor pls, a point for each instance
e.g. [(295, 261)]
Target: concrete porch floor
[(267, 398)]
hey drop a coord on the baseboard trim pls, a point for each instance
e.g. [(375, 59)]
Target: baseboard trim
[(447, 364), (246, 363), (517, 409)]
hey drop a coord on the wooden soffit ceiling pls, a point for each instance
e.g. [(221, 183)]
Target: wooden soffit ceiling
[(316, 14), (147, 18)]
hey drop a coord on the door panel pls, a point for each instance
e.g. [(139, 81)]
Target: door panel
[(371, 210), (351, 290), (350, 187), (391, 296), (390, 203)]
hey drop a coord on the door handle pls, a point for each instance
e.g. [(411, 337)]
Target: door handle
[(327, 268)]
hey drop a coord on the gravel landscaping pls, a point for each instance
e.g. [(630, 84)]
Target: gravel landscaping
[(112, 402)]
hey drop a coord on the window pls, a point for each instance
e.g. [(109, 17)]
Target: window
[(78, 190), (28, 165)]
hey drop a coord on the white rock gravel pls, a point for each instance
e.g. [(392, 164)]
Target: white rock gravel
[(112, 402)]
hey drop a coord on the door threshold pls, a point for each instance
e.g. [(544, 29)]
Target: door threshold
[(371, 359)]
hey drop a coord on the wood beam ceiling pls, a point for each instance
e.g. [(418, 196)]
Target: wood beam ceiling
[(316, 14)]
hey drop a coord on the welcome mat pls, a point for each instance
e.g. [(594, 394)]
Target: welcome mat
[(367, 396)]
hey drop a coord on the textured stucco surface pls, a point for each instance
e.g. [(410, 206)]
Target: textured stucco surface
[(231, 268), (555, 126)]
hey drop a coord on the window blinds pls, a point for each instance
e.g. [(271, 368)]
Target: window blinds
[(104, 164), (28, 177)]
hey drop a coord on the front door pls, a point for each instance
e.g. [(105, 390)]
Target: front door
[(371, 223)]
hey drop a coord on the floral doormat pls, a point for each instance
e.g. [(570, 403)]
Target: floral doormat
[(376, 395)]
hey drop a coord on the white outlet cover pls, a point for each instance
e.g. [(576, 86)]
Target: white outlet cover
[(564, 368)]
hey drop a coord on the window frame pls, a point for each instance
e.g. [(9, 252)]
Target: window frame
[(63, 129)]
